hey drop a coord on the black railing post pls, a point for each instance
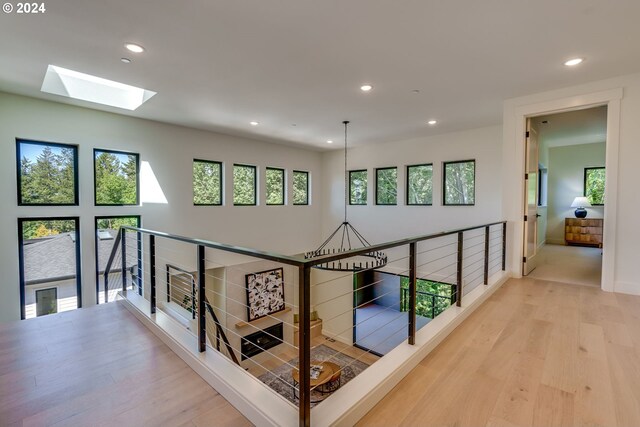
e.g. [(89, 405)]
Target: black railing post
[(168, 283), (106, 288), (487, 233), (152, 272), (433, 307), (139, 258), (193, 298), (304, 351), (202, 319), (459, 269), (412, 293), (504, 246), (123, 250)]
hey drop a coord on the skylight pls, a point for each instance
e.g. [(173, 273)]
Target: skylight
[(72, 84)]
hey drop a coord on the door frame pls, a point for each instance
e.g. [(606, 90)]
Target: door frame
[(515, 114)]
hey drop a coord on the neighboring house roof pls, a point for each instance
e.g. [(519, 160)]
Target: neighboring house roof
[(53, 258)]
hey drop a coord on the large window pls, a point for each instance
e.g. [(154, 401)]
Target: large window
[(207, 183), (420, 184), (459, 183), (275, 186), (300, 188), (387, 186), (244, 185), (117, 178), (594, 185), (47, 173), (358, 187)]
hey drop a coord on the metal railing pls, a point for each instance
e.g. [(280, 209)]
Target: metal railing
[(426, 305), (491, 245)]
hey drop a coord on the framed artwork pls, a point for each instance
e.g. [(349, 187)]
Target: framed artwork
[(265, 293)]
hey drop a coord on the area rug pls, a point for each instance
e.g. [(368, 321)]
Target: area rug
[(280, 379)]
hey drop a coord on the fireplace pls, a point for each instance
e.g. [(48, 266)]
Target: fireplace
[(260, 341)]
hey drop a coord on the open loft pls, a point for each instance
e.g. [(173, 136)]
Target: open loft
[(327, 214)]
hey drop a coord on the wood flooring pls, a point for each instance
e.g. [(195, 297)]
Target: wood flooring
[(537, 353), (100, 366)]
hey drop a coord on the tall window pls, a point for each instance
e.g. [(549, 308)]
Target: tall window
[(300, 188), (358, 187), (459, 183), (594, 185), (207, 183), (420, 184), (244, 185), (117, 178), (387, 186), (47, 173), (275, 186)]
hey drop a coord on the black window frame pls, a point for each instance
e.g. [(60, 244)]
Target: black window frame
[(444, 182), (21, 221), (255, 185), (366, 188), (95, 180), (406, 193), (221, 182), (377, 170), (284, 186), (306, 193), (584, 182), (76, 188), (95, 229)]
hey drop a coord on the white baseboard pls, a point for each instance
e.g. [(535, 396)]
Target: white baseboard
[(627, 288)]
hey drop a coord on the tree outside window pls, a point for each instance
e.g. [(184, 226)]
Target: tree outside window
[(207, 183), (594, 185), (387, 186), (459, 183), (117, 177), (244, 185), (275, 186), (300, 188), (47, 173), (420, 184), (358, 187)]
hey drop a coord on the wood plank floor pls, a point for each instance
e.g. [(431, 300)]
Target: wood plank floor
[(537, 353), (100, 367)]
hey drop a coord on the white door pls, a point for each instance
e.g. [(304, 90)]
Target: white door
[(531, 200)]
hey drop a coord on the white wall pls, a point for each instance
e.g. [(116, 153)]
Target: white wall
[(384, 223), (169, 150), (566, 182)]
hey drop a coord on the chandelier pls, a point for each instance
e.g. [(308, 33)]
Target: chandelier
[(345, 238)]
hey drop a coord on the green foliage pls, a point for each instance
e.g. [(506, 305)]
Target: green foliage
[(358, 187), (432, 298), (116, 181), (207, 183), (420, 185), (300, 188), (244, 185), (275, 186), (35, 229), (594, 185), (459, 183), (117, 222), (50, 180), (387, 186)]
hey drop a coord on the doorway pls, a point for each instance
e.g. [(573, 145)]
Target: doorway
[(565, 196)]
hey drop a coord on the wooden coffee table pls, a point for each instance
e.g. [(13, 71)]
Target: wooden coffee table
[(325, 375)]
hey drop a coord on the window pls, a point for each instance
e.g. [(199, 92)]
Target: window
[(244, 185), (300, 188), (275, 186), (47, 173), (387, 186), (459, 183), (207, 183), (46, 301), (543, 179), (117, 178), (594, 185), (420, 184), (358, 187)]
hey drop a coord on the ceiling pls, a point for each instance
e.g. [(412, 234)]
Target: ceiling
[(586, 126), (218, 65)]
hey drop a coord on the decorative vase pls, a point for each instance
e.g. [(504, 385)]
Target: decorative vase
[(581, 213)]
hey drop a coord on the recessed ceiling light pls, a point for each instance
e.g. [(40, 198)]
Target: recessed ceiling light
[(366, 88), (329, 141), (416, 91), (254, 123), (72, 84), (573, 62), (432, 122), (136, 48), (125, 60)]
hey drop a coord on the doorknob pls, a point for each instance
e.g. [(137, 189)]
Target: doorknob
[(538, 215)]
